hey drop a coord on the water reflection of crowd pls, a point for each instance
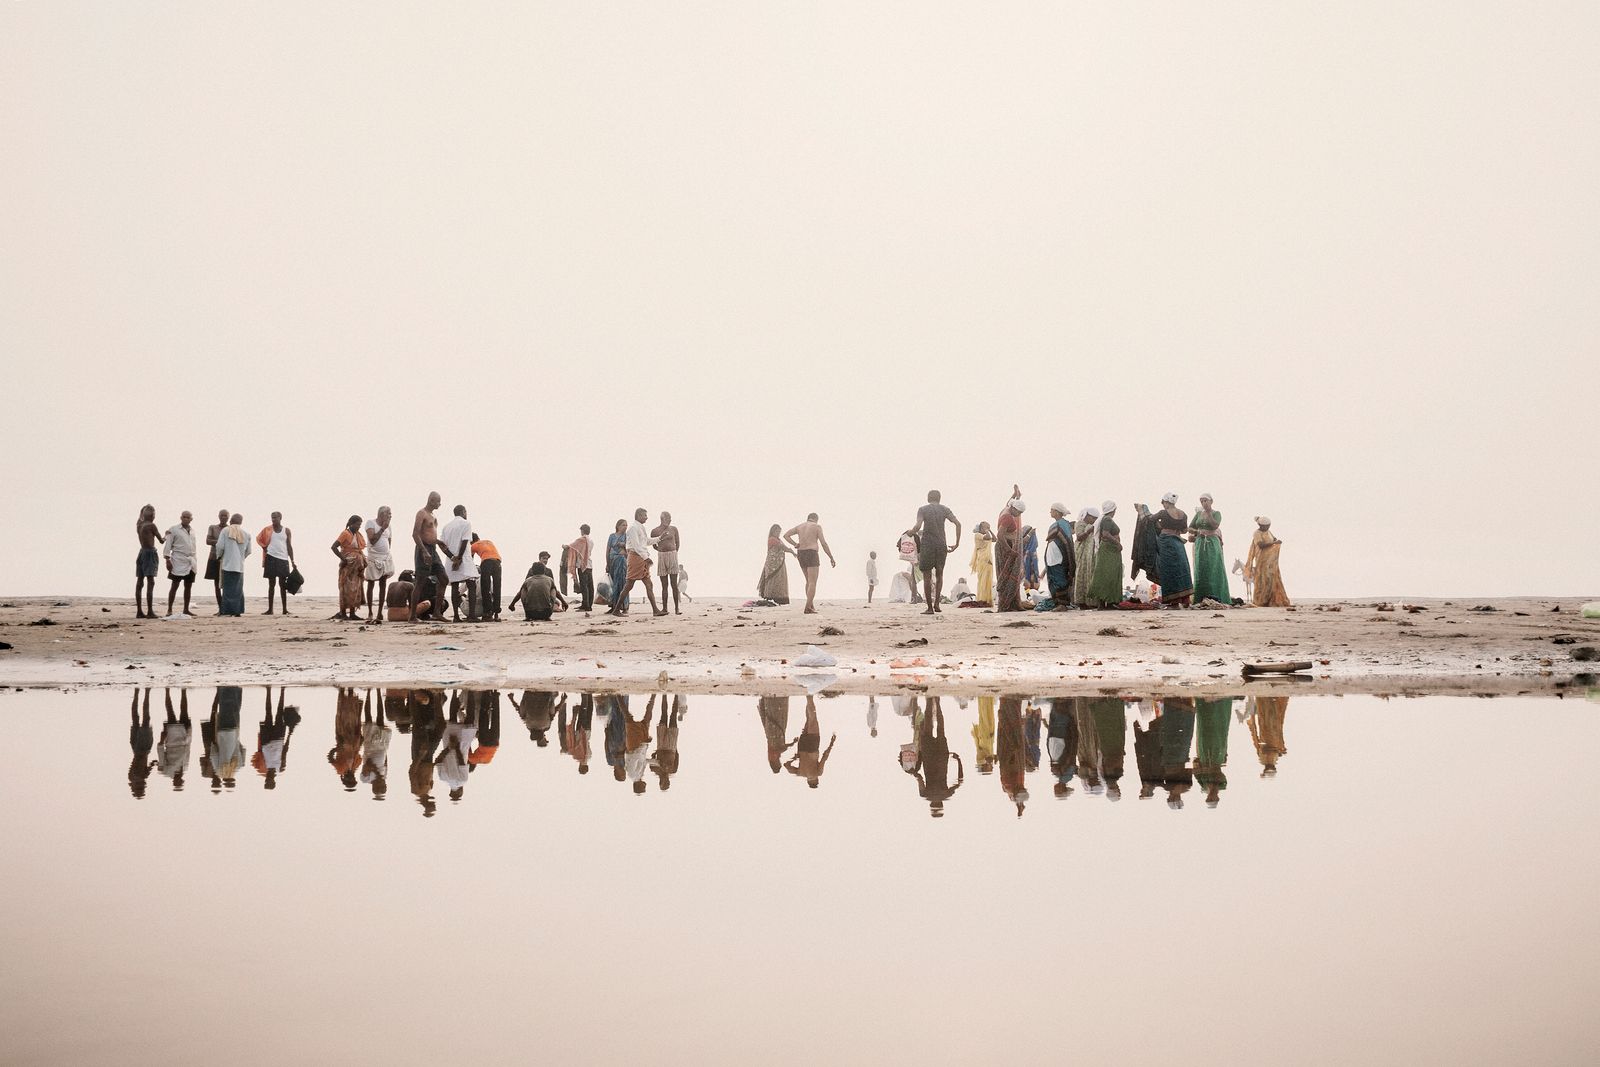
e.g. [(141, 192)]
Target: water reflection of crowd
[(1179, 743)]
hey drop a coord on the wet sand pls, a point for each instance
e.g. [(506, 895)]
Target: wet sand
[(1518, 646)]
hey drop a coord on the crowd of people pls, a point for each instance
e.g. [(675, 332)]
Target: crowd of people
[(1085, 564), (1180, 743), (452, 566), (1084, 561)]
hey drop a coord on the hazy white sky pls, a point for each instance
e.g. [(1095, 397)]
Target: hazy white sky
[(742, 261)]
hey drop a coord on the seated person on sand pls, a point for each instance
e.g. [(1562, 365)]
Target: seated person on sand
[(399, 599), (539, 596)]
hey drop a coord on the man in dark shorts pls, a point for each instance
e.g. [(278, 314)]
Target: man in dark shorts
[(429, 581), (148, 565), (932, 548), (806, 539), (213, 564)]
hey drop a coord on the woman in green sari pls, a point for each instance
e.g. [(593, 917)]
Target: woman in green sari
[(1210, 572), (1105, 589), (1083, 547)]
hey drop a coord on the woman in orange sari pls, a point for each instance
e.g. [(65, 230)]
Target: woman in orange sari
[(1261, 567), (348, 549)]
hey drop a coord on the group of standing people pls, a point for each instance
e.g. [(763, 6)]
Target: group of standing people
[(1084, 558), (451, 566)]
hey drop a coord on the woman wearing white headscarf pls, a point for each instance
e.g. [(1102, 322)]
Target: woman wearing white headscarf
[(1177, 587), (1083, 548), (1008, 554), (1105, 589), (1262, 567)]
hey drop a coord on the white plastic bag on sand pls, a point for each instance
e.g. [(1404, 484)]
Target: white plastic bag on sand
[(815, 657), (1592, 611)]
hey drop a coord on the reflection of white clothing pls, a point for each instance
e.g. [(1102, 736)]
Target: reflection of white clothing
[(635, 761), (173, 755), (456, 531), (453, 768), (180, 550), (374, 751), (272, 755)]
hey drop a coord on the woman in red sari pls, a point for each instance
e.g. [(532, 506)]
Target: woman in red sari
[(1008, 554)]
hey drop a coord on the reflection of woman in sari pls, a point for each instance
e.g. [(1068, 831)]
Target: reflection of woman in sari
[(1013, 754), (1210, 572), (983, 562), (1265, 716), (1173, 526), (1211, 747), (774, 582), (352, 568), (1261, 567), (617, 563), (983, 735), (1008, 554), (1105, 589)]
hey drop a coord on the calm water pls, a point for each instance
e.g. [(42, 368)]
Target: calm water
[(422, 876)]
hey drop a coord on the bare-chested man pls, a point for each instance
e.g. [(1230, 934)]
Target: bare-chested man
[(429, 568), (213, 564), (147, 565), (668, 541), (806, 539)]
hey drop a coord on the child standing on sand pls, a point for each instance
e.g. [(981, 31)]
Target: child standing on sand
[(872, 574)]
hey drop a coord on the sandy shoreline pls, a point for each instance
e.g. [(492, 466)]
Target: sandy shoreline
[(1521, 646)]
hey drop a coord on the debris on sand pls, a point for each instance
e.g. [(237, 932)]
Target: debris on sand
[(5, 646), (43, 622), (1484, 607), (830, 631), (1109, 631), (1019, 622), (1250, 670), (1585, 653), (915, 642)]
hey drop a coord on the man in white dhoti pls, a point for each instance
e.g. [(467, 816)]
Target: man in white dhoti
[(180, 562), (380, 560), (455, 541)]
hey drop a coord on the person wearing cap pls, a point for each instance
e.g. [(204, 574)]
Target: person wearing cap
[(1210, 570), (1172, 526), (1083, 548), (1059, 557), (1008, 554), (1105, 588), (1261, 567)]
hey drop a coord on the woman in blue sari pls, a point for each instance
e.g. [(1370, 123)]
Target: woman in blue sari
[(1177, 587), (1030, 558), (617, 562)]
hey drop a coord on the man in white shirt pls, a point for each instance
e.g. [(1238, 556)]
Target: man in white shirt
[(639, 543), (180, 562), (380, 560), (455, 542)]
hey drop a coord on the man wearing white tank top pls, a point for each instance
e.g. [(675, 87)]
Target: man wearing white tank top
[(277, 559)]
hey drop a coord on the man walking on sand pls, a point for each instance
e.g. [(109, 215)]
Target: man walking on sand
[(805, 539), (148, 563), (180, 562), (277, 559), (932, 548), (667, 542), (638, 544), (428, 583), (581, 552), (213, 564), (460, 567)]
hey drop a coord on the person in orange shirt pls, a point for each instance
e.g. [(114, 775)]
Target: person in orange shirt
[(489, 566)]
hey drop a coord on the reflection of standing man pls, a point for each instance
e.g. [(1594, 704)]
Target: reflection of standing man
[(810, 759), (177, 737), (141, 740), (214, 564), (180, 562), (933, 760)]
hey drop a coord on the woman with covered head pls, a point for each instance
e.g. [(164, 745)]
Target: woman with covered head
[(1105, 588), (983, 561), (1083, 549), (1172, 526), (617, 563), (348, 549), (1210, 571), (773, 584), (1261, 567), (1008, 554)]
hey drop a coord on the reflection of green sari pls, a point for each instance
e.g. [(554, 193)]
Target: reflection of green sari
[(1211, 753), (1210, 573)]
